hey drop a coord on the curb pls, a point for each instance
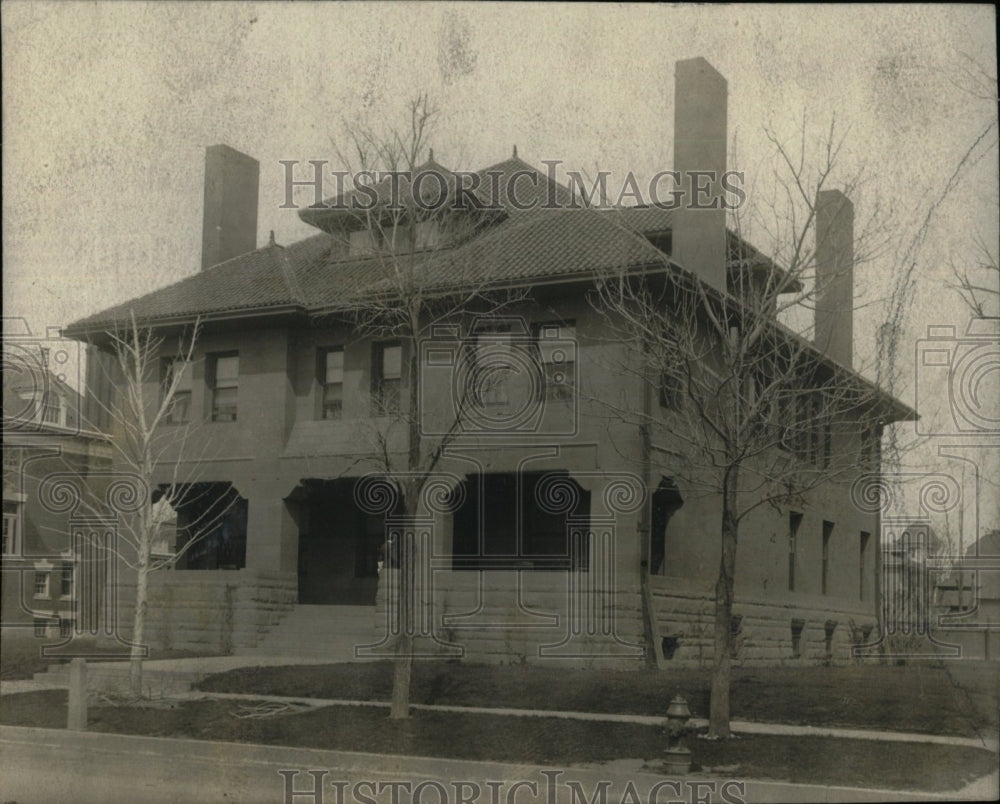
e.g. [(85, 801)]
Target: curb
[(253, 763)]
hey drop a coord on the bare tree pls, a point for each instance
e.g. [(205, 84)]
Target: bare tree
[(144, 428), (749, 411), (978, 284), (409, 228)]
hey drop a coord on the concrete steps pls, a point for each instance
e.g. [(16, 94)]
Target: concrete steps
[(318, 632)]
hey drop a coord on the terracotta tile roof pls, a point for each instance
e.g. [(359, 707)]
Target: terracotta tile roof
[(531, 188), (265, 278), (315, 275)]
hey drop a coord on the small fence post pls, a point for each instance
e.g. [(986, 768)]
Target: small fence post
[(77, 717)]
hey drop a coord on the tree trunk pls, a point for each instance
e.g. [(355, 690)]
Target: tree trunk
[(406, 605), (401, 678), (138, 629), (718, 725), (407, 601)]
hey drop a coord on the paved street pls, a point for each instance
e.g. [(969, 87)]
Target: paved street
[(39, 766)]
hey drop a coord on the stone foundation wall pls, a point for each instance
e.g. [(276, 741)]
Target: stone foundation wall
[(506, 617), (218, 610), (683, 625)]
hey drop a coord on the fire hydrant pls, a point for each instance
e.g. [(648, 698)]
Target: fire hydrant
[(678, 754)]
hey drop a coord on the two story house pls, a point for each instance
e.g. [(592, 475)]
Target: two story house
[(552, 526), (53, 585)]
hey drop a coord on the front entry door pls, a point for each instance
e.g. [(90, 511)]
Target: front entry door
[(338, 559)]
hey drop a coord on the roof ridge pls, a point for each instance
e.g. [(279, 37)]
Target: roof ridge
[(295, 293)]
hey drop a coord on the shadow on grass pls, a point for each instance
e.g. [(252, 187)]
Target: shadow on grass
[(545, 741), (911, 698)]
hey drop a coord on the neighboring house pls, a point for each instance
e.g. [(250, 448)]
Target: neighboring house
[(969, 601), (43, 440), (288, 395)]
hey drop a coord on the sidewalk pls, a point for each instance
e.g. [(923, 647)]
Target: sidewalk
[(738, 726), (160, 676), (174, 677), (41, 765)]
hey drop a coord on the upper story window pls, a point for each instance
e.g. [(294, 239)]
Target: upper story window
[(825, 557), (225, 381), (365, 242), (333, 382), (869, 448), (52, 409), (827, 456), (794, 522), (11, 460), (427, 234), (807, 435), (862, 562), (66, 581), (556, 344), (387, 371), (41, 584), (671, 391), (179, 411), (10, 534), (493, 363)]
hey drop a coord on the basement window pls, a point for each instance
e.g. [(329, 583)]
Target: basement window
[(828, 631), (669, 646), (797, 627)]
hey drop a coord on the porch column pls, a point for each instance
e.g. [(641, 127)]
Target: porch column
[(272, 534), (597, 596)]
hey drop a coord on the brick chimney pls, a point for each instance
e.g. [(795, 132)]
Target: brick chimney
[(700, 112), (229, 227), (835, 276)]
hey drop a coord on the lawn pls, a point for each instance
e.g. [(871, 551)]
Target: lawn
[(21, 657), (541, 740), (917, 698)]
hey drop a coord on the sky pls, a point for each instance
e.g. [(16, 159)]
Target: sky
[(108, 109)]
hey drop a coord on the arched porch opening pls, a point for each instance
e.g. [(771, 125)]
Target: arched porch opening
[(340, 545), (211, 526), (521, 520), (665, 502)]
